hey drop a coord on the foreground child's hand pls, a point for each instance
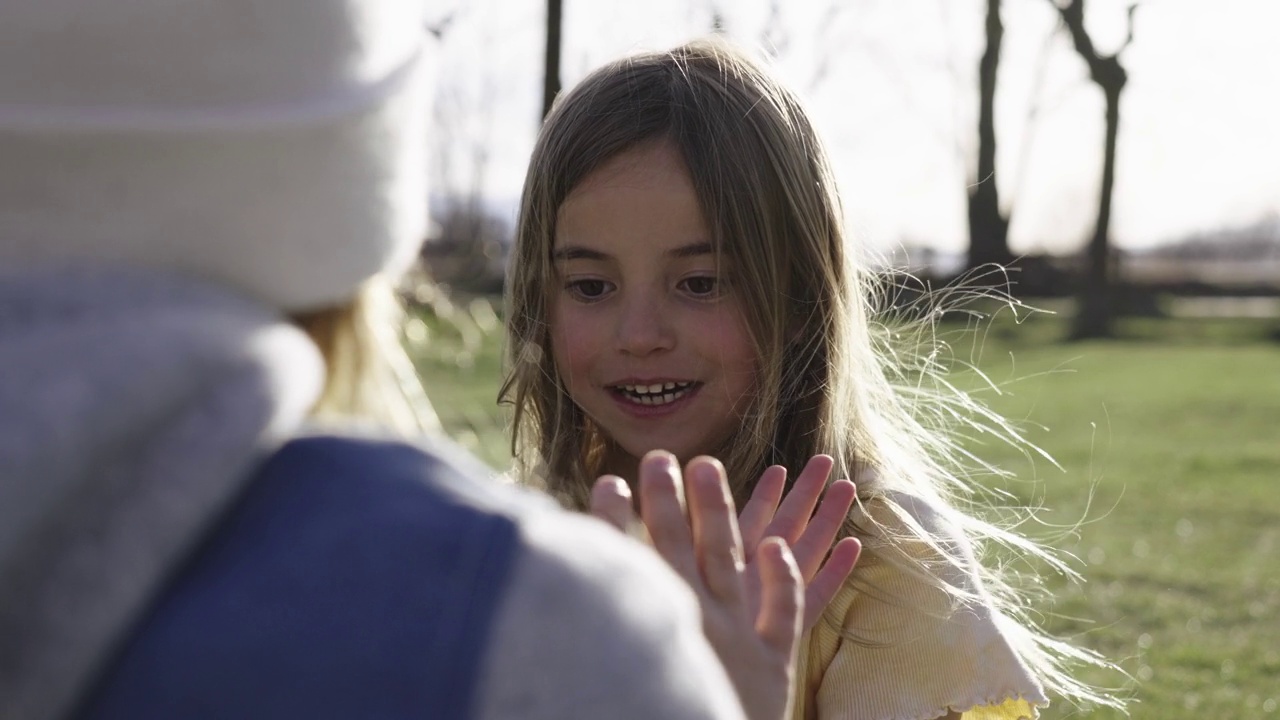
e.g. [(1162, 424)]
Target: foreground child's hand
[(756, 645), (808, 534)]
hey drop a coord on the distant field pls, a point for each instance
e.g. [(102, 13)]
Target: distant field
[(1170, 447)]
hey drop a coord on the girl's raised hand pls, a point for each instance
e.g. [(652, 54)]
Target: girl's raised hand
[(809, 534), (756, 641), (768, 514)]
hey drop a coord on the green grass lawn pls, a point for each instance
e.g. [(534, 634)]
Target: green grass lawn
[(1169, 446), (1170, 449)]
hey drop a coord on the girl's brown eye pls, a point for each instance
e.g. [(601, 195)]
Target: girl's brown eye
[(701, 286), (587, 289)]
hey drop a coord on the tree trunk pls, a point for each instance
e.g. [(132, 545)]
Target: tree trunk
[(1095, 312), (988, 227), (551, 68)]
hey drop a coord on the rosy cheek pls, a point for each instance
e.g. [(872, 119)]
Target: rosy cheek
[(729, 335), (572, 347)]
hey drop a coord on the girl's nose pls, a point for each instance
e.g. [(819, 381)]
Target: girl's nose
[(644, 327)]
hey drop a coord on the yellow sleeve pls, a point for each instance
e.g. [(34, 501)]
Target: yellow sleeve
[(891, 646)]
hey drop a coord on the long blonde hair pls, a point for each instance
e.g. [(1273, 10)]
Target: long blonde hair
[(368, 376), (834, 375)]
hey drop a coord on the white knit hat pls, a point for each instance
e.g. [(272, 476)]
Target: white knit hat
[(273, 145)]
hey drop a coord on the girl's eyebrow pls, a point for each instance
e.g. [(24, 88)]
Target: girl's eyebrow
[(692, 250), (577, 252)]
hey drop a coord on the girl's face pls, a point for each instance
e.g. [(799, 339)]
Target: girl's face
[(647, 330)]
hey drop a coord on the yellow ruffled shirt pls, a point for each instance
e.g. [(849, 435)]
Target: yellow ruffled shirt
[(892, 646)]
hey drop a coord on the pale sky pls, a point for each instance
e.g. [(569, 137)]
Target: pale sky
[(892, 86)]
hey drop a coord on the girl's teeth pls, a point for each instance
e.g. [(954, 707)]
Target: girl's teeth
[(655, 389), (655, 394)]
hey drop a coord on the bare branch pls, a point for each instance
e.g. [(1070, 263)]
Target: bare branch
[(1072, 15), (958, 147), (717, 21), (1105, 70), (774, 37), (438, 27), (1033, 118), (1128, 38), (826, 28)]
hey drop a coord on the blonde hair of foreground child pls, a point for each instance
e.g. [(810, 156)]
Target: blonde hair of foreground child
[(831, 378), (369, 376)]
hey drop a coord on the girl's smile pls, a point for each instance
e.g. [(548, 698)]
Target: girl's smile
[(647, 333), (654, 398)]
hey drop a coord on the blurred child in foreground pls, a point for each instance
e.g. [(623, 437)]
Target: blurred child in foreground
[(201, 203)]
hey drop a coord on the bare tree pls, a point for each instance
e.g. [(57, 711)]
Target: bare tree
[(438, 27), (1094, 317), (717, 21), (466, 240), (988, 225), (775, 37), (551, 66)]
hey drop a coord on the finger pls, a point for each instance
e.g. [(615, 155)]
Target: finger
[(716, 540), (815, 541), (611, 502), (782, 602), (829, 579), (759, 510), (797, 506), (663, 515)]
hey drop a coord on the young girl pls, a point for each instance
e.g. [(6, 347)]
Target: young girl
[(681, 280)]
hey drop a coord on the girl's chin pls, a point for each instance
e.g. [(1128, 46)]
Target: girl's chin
[(626, 459)]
